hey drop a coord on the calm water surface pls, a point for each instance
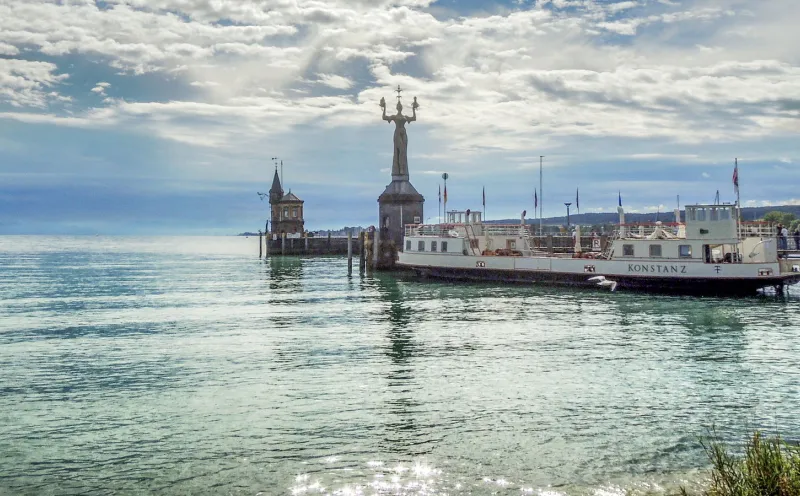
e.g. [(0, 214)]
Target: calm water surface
[(188, 366)]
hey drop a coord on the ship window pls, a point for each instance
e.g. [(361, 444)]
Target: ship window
[(690, 214), (655, 250), (685, 251), (433, 245), (421, 246), (408, 245), (712, 214), (627, 250), (444, 246), (701, 214), (724, 214)]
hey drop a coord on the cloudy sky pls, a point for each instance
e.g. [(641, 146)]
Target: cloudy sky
[(155, 116)]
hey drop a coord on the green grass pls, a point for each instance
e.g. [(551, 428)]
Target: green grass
[(768, 467)]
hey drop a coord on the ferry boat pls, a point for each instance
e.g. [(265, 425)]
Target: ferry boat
[(709, 252)]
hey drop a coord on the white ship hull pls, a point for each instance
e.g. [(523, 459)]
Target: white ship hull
[(666, 275)]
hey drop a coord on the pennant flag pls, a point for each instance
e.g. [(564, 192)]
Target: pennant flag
[(445, 193), (440, 193), (484, 197), (577, 200), (535, 199), (620, 199), (736, 177)]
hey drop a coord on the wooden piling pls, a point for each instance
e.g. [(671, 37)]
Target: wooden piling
[(349, 253), (260, 254), (267, 239), (306, 243), (361, 251), (283, 243)]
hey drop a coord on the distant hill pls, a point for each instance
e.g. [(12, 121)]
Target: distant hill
[(597, 219)]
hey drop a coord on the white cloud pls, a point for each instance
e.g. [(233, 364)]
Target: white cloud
[(334, 81), (27, 83), (705, 175), (515, 82), (6, 49), (100, 88)]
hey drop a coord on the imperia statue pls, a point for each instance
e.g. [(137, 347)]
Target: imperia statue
[(400, 158)]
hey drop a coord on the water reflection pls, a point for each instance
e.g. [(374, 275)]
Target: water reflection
[(405, 433), (283, 270)]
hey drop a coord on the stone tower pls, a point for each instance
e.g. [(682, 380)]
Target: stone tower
[(286, 210)]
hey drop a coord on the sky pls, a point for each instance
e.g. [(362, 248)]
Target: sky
[(155, 117)]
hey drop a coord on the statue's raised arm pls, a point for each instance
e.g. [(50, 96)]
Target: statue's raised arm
[(414, 107), (383, 106)]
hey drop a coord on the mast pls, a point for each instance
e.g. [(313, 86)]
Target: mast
[(541, 198)]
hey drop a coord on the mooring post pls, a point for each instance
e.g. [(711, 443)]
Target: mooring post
[(260, 254), (376, 248), (349, 253), (267, 239), (283, 243), (361, 251), (306, 243)]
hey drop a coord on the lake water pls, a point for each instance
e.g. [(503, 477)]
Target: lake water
[(183, 365)]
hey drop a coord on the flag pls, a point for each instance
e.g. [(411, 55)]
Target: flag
[(535, 199), (577, 200), (620, 199), (445, 193), (484, 197), (440, 193), (736, 177)]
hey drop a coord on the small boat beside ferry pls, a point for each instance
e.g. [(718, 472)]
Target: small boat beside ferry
[(710, 251)]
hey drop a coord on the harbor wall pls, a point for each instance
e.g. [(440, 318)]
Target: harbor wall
[(316, 246)]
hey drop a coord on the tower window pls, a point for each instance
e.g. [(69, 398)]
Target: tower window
[(285, 212), (294, 212)]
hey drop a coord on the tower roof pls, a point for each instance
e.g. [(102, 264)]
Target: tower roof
[(276, 185)]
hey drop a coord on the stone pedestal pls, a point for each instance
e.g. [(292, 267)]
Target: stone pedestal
[(398, 205)]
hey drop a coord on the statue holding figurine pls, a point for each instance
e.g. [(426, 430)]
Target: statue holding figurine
[(400, 158)]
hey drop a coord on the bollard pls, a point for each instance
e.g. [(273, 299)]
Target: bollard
[(283, 243), (361, 251), (259, 244), (349, 253), (550, 244)]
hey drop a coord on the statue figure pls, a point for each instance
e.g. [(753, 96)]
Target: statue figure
[(400, 159)]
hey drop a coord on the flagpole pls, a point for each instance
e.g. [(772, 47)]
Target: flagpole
[(736, 162), (541, 198)]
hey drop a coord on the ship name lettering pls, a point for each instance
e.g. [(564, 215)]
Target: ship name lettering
[(657, 268)]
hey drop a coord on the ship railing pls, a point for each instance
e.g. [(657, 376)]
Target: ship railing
[(757, 229), (506, 229), (435, 230), (643, 230)]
